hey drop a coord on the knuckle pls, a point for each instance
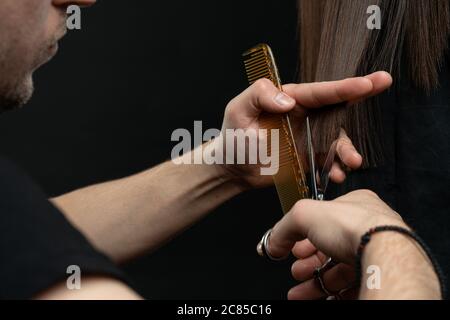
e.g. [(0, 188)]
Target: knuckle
[(299, 209), (369, 193), (262, 85), (345, 141), (344, 148), (366, 193), (230, 110)]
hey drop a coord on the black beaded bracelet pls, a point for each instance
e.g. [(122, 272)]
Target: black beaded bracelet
[(365, 239)]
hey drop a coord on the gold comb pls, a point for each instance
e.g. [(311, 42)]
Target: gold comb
[(290, 180)]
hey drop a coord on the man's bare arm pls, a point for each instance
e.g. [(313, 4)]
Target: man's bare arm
[(130, 216), (406, 272), (92, 288)]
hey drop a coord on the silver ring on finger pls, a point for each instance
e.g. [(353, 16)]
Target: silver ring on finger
[(264, 252)]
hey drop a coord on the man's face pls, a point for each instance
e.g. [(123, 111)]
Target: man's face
[(29, 32)]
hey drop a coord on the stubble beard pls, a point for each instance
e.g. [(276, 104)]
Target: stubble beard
[(15, 95), (16, 77)]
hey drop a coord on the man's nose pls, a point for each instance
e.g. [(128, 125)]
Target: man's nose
[(81, 3)]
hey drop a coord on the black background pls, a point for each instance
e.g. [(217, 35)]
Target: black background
[(106, 106)]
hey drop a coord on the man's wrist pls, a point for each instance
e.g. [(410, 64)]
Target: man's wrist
[(403, 268), (226, 168), (380, 241), (395, 241), (357, 237), (228, 174), (220, 170)]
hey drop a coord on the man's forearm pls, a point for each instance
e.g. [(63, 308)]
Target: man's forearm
[(130, 216), (406, 272)]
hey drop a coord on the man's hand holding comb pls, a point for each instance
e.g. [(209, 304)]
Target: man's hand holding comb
[(244, 112)]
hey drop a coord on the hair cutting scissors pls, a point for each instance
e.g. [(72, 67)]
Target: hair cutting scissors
[(319, 173)]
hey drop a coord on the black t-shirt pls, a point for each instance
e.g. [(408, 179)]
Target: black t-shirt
[(37, 243), (415, 178)]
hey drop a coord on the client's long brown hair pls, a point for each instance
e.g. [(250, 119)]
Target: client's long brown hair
[(335, 43)]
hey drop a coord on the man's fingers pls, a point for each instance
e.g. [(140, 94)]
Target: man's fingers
[(303, 269), (381, 81), (314, 95), (264, 96), (348, 155), (336, 279), (259, 97), (293, 227), (337, 175), (308, 290), (303, 249), (340, 277), (347, 152)]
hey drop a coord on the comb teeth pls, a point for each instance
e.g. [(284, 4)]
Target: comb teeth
[(259, 64), (290, 180)]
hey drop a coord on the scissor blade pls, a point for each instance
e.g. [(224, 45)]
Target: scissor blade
[(312, 162), (326, 169)]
